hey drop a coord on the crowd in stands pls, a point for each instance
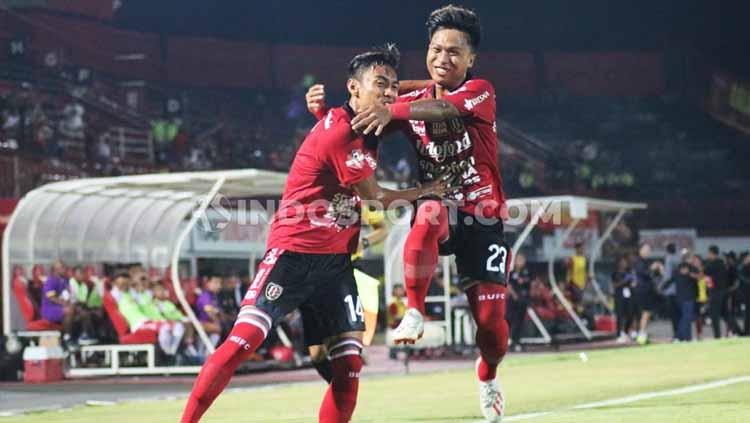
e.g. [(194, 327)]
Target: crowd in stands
[(618, 147), (628, 147)]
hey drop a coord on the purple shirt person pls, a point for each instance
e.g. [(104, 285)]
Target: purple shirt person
[(207, 305), (54, 290)]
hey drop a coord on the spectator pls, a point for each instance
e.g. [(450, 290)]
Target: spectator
[(230, 296), (86, 294), (169, 335), (622, 282), (144, 296), (645, 294), (743, 276), (733, 296), (72, 124), (172, 314), (541, 300), (56, 302), (209, 311), (686, 284), (669, 290), (718, 293), (701, 301), (35, 286), (577, 273), (519, 293)]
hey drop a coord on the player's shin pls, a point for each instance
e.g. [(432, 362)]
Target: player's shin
[(421, 251), (248, 333), (487, 302), (341, 397)]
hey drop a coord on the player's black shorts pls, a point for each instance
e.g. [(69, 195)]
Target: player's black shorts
[(322, 286), (480, 250)]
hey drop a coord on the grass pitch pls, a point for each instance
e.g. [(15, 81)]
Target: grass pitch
[(539, 383)]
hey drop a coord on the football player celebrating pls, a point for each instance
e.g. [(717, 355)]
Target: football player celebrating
[(450, 121), (313, 234)]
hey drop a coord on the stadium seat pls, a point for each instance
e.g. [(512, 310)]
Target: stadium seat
[(28, 310), (142, 336)]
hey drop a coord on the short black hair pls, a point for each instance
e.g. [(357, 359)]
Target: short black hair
[(458, 18), (121, 274), (714, 249), (386, 55), (671, 248)]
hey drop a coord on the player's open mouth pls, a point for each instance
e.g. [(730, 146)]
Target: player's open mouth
[(440, 71)]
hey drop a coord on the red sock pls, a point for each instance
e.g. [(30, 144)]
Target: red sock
[(244, 339), (487, 302), (341, 397), (421, 251)]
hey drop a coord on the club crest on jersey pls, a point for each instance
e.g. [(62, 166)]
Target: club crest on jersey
[(357, 160), (273, 291)]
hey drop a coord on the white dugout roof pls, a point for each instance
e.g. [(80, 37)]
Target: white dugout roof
[(125, 219)]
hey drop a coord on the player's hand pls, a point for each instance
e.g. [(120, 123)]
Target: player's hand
[(373, 118), (316, 98), (441, 187)]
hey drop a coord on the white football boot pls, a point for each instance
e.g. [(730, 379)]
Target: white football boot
[(410, 329), (491, 400)]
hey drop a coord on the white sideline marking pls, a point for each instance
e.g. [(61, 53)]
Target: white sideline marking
[(634, 398)]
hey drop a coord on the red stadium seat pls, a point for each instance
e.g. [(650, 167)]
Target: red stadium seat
[(27, 307), (142, 336)]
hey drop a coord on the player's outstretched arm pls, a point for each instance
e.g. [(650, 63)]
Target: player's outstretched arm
[(369, 190), (376, 118)]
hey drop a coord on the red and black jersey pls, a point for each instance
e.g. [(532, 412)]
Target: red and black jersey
[(319, 211), (465, 146)]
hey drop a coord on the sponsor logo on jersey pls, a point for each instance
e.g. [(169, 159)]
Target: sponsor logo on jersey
[(492, 297), (439, 151), (438, 129), (341, 213), (470, 103), (273, 291), (465, 168), (457, 126), (479, 193), (357, 160)]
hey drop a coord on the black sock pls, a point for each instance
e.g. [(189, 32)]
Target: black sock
[(324, 369)]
